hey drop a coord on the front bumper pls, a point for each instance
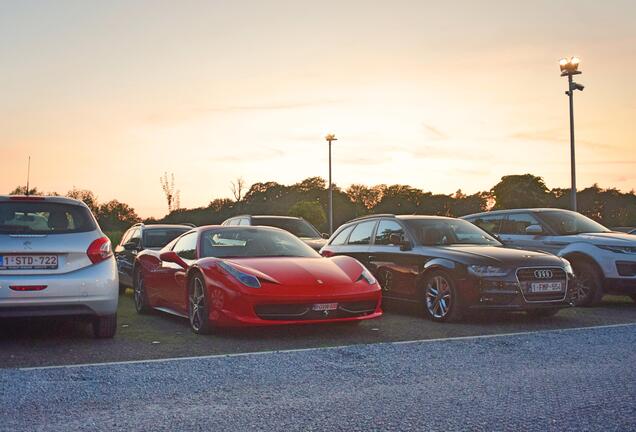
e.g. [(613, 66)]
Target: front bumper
[(90, 291), (238, 309), (507, 294)]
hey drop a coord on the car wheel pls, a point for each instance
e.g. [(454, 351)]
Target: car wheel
[(589, 283), (198, 306), (542, 313), (441, 299), (139, 294), (105, 327)]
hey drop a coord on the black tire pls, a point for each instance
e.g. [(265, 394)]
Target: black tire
[(589, 283), (140, 297), (440, 297), (198, 306), (105, 327), (542, 313)]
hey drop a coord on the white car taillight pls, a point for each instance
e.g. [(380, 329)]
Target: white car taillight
[(99, 250)]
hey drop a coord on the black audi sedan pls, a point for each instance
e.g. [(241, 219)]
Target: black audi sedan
[(451, 266)]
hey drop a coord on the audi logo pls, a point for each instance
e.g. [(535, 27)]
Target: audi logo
[(543, 274)]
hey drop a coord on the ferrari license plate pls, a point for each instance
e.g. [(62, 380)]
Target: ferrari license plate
[(28, 262), (546, 287), (325, 306)]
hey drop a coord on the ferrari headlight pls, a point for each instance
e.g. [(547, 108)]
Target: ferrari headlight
[(245, 278), (367, 276), (618, 249), (487, 271)]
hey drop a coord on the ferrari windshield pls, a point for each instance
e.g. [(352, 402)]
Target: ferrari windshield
[(565, 222), (253, 242), (298, 227), (444, 232)]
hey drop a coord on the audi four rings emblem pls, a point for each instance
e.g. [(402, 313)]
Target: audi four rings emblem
[(543, 274)]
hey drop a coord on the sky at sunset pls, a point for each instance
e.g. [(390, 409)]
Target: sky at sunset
[(439, 95)]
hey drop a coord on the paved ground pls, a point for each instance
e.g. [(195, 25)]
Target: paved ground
[(46, 342), (571, 380)]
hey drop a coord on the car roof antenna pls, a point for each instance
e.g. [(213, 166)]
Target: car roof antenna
[(28, 175)]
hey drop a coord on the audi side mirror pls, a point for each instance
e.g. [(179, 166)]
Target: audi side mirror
[(131, 246), (172, 257), (399, 240), (325, 236), (534, 229)]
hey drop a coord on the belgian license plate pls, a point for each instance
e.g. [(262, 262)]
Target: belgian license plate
[(28, 262), (542, 287), (325, 306)]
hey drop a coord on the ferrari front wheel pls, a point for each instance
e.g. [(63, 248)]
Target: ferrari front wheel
[(198, 306)]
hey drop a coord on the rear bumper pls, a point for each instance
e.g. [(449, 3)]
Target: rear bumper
[(90, 291)]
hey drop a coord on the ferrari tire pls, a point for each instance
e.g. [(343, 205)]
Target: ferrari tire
[(198, 306)]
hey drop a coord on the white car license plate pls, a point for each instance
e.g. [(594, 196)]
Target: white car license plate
[(28, 262), (325, 306), (542, 287)]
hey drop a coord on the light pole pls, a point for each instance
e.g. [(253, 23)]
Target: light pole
[(330, 138), (569, 67)]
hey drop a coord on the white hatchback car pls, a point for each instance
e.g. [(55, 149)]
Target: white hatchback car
[(56, 261)]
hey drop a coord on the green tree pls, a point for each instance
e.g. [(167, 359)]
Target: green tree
[(519, 191), (86, 196), (116, 216), (21, 190), (311, 211)]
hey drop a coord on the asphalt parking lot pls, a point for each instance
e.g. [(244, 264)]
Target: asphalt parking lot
[(40, 342)]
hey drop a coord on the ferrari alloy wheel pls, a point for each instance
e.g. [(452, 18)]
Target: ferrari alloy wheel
[(139, 294), (198, 306), (440, 297)]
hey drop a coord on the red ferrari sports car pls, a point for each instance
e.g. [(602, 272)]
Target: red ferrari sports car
[(245, 276)]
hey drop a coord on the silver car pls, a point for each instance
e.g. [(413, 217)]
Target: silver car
[(56, 261)]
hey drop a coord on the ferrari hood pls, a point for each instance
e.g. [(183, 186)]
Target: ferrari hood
[(302, 271)]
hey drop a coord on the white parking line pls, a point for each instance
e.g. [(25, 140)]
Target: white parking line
[(256, 353)]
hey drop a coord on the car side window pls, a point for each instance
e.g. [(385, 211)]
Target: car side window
[(491, 224), (244, 222), (125, 237), (361, 234), (517, 223), (341, 238), (186, 246), (385, 229), (135, 237)]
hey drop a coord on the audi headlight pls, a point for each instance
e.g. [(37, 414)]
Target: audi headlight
[(246, 279), (618, 249), (367, 276), (487, 271)]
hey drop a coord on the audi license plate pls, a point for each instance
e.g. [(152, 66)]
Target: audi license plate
[(28, 262), (546, 287), (325, 306)]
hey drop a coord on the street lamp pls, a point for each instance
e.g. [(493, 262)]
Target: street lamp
[(330, 138), (569, 67)]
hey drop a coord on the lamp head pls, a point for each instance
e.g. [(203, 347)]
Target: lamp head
[(331, 137), (569, 65)]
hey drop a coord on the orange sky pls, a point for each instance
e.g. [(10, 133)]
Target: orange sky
[(109, 95)]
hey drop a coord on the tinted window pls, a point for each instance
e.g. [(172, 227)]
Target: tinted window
[(568, 223), (341, 238), (186, 246), (443, 232), (42, 217), (135, 237), (126, 236), (253, 242), (361, 234), (491, 223), (243, 222), (298, 227), (385, 229), (159, 237), (517, 223)]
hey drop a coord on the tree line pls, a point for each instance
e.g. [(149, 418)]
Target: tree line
[(308, 198)]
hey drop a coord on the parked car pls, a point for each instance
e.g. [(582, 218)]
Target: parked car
[(452, 266), (295, 225), (603, 261), (55, 261), (140, 237), (245, 276)]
